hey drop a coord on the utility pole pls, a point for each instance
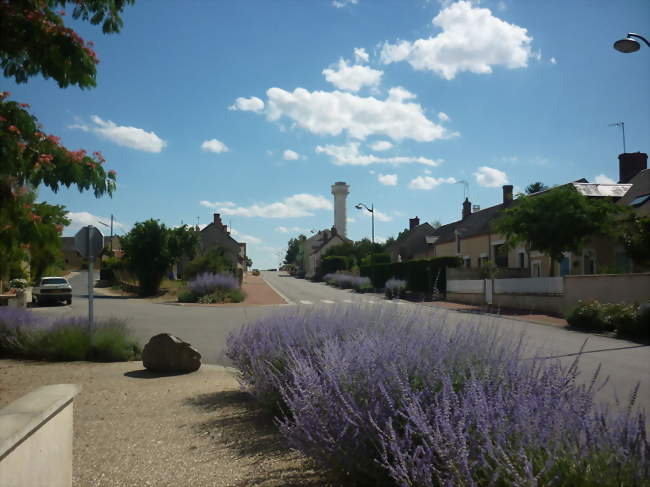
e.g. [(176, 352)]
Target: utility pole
[(111, 232)]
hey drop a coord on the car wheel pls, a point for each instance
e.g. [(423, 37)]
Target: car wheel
[(69, 300), (34, 300)]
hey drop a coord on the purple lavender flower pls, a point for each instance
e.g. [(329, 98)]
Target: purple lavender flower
[(386, 397), (208, 283)]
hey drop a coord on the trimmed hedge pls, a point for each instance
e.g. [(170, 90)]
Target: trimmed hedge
[(333, 264), (420, 275)]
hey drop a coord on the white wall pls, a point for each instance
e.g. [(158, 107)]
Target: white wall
[(530, 285), (473, 286)]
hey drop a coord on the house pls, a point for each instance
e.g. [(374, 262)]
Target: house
[(472, 239), (72, 259), (414, 243), (315, 247), (217, 235)]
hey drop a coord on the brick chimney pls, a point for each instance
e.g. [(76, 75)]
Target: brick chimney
[(507, 193), (631, 164), (467, 208), (413, 222), (218, 223)]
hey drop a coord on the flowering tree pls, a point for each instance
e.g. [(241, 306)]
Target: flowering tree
[(34, 40)]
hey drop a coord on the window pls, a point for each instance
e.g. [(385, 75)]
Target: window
[(457, 244), (467, 262), (501, 255), (522, 260)]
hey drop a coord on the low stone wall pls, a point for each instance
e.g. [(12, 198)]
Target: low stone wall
[(36, 438), (607, 288)]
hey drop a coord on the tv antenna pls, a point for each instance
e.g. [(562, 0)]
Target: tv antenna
[(465, 187), (622, 125)]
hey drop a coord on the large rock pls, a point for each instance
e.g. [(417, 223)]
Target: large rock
[(168, 353)]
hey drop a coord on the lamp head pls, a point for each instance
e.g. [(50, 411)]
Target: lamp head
[(627, 45), (358, 207)]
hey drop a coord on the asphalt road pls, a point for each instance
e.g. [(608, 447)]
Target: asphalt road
[(626, 363)]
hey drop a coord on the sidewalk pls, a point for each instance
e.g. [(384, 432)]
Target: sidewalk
[(514, 314)]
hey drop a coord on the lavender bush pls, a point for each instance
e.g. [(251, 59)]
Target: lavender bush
[(394, 287), (25, 334), (208, 283), (348, 281), (384, 397)]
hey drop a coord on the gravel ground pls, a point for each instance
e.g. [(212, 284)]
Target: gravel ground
[(134, 428)]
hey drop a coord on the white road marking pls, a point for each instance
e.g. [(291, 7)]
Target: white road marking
[(368, 301), (327, 301), (305, 302), (348, 301)]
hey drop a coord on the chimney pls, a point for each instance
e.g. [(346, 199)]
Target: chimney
[(413, 222), (219, 224), (340, 190), (631, 164), (467, 208), (507, 193)]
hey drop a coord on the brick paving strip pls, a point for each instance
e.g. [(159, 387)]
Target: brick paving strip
[(134, 428)]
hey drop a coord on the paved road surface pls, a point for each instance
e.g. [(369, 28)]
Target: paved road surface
[(626, 363)]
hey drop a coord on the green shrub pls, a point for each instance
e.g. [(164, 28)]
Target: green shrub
[(109, 266), (334, 263), (65, 342), (111, 343), (633, 321), (588, 315), (235, 296), (187, 296), (214, 261)]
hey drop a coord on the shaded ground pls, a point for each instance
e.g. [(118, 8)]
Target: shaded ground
[(134, 428)]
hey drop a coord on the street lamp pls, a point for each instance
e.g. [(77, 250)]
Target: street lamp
[(628, 44), (361, 206)]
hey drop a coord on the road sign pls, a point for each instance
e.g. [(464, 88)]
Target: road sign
[(89, 241)]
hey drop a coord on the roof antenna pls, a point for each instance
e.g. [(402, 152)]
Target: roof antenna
[(465, 187), (622, 125)]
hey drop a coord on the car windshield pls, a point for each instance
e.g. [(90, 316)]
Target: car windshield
[(53, 280)]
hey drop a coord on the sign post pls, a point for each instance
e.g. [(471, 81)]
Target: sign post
[(89, 242)]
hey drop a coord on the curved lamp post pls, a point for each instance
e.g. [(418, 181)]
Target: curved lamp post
[(629, 44), (361, 206)]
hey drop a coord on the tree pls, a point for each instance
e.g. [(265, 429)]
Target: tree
[(635, 235), (294, 250), (536, 187), (147, 254), (561, 220), (182, 243), (34, 40)]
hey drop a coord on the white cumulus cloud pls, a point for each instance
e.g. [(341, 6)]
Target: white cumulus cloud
[(295, 206), (252, 104), (471, 39), (343, 3), (387, 179), (132, 137), (360, 55), (283, 229), (489, 177), (602, 179), (83, 218), (428, 182), (379, 216), (443, 117), (214, 145), (336, 112), (289, 155), (217, 204), (241, 237), (381, 145), (352, 78), (349, 154)]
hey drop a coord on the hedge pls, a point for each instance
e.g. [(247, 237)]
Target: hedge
[(334, 263), (420, 275)]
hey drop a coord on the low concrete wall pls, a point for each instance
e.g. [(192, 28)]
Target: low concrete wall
[(529, 285), (36, 438), (607, 288), (472, 286)]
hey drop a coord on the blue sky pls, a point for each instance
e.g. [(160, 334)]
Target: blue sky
[(254, 108)]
